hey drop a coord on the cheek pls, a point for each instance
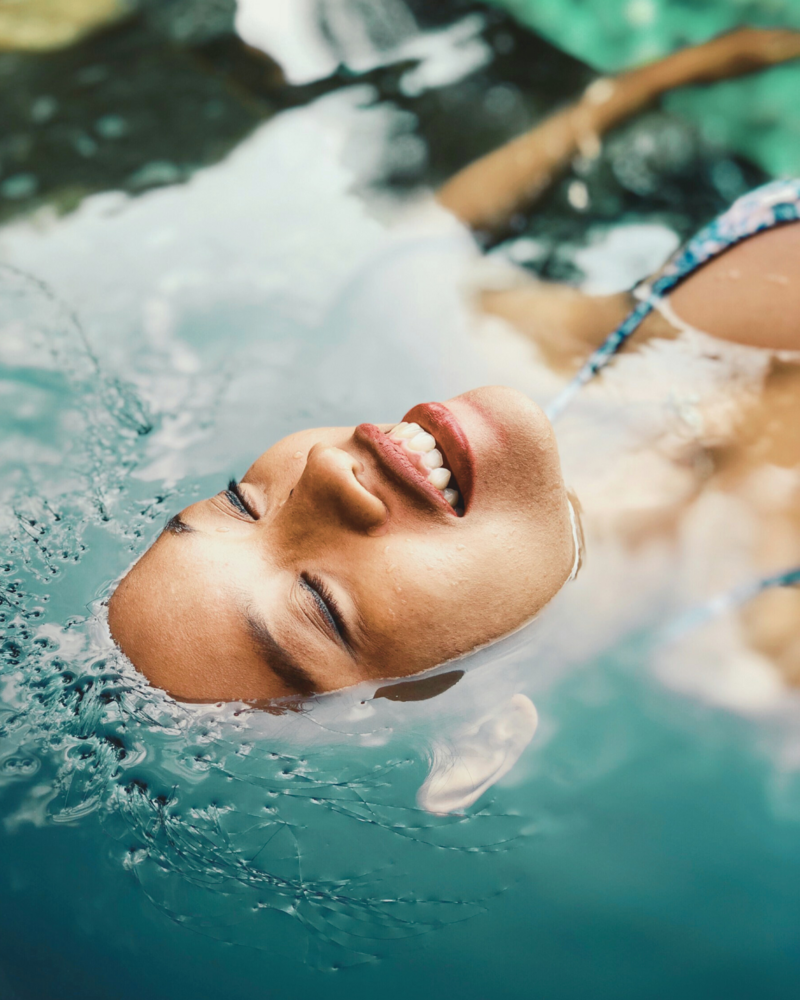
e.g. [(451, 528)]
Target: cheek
[(429, 603), (406, 587), (470, 566), (487, 583), (437, 593), (414, 564), (279, 468), (277, 471)]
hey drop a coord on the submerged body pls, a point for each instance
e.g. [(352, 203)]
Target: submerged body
[(339, 557)]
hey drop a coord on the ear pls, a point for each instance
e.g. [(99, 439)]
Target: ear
[(464, 767)]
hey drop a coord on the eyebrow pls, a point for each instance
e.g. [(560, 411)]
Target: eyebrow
[(177, 526), (278, 658)]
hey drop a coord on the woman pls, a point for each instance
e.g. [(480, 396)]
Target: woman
[(348, 554)]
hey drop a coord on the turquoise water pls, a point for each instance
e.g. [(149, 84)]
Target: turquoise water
[(657, 857), (646, 844), (758, 118)]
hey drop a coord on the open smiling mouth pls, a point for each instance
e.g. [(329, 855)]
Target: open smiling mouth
[(429, 452), (420, 449)]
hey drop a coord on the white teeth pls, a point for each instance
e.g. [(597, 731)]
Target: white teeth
[(422, 442), (432, 459), (404, 431), (451, 496), (418, 440), (440, 478)]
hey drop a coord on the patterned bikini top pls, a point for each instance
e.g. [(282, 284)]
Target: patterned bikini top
[(756, 212)]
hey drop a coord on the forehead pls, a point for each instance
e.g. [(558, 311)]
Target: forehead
[(164, 612)]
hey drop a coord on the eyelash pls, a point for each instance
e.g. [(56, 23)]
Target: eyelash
[(236, 498), (326, 602)]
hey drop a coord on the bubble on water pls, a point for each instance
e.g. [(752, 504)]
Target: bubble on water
[(112, 127), (43, 109), (19, 186)]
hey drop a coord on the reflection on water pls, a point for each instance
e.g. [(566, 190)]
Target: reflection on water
[(226, 282)]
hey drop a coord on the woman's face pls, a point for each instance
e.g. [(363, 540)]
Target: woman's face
[(341, 559)]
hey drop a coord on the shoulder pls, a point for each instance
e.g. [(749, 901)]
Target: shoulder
[(750, 294)]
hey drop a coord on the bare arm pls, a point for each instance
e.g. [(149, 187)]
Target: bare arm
[(486, 193)]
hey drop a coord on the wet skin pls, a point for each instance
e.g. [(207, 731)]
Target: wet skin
[(338, 563)]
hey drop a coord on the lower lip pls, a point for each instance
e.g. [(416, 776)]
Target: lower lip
[(394, 461), (437, 420)]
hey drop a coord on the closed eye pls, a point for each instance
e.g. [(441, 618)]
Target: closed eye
[(237, 499), (328, 608)]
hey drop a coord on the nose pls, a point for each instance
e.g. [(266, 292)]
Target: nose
[(330, 487)]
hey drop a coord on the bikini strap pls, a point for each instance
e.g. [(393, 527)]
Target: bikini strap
[(764, 208), (728, 601)]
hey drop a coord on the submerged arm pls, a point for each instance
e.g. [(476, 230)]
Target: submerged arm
[(489, 191)]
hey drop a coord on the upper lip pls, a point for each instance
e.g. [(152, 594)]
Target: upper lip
[(437, 420)]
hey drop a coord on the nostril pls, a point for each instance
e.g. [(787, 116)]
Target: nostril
[(334, 477)]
